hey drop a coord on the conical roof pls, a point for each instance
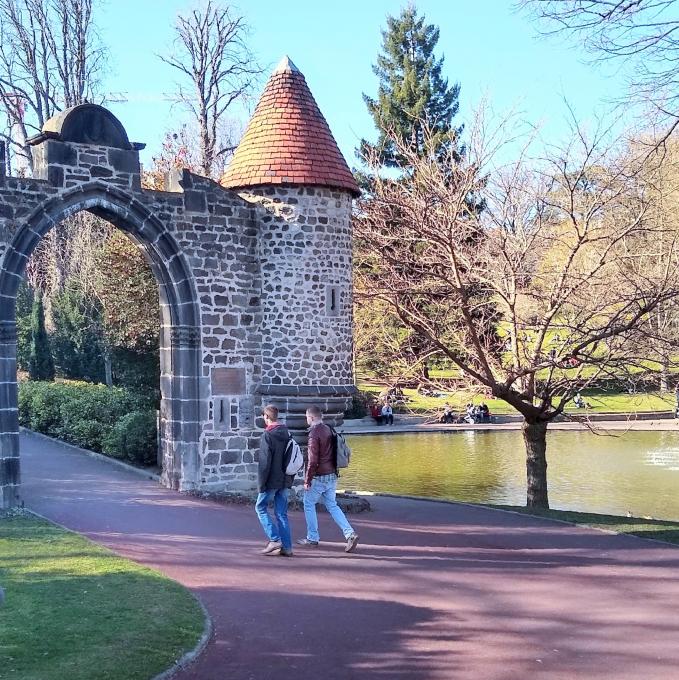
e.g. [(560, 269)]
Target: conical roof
[(288, 141)]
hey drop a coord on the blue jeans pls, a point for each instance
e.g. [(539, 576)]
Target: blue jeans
[(323, 488), (280, 506)]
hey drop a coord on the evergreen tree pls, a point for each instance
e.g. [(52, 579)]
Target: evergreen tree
[(77, 340), (40, 365), (24, 309), (412, 92)]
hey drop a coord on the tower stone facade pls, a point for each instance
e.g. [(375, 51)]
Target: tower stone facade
[(289, 164), (254, 276)]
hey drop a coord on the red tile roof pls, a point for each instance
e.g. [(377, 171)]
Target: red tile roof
[(288, 140)]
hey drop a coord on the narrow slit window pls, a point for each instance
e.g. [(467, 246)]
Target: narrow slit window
[(332, 301)]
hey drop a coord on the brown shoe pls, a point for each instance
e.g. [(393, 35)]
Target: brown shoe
[(352, 542), (272, 547)]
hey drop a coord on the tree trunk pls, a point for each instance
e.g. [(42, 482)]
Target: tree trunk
[(535, 439), (665, 377), (108, 368)]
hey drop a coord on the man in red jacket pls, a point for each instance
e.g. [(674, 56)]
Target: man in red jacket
[(320, 481)]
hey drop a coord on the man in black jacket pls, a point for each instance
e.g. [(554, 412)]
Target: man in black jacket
[(274, 484)]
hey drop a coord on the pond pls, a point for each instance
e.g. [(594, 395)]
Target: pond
[(635, 472)]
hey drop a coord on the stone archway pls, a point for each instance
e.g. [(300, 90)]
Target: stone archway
[(180, 358), (254, 275)]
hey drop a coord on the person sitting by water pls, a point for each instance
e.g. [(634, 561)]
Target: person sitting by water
[(485, 413), (579, 401), (387, 414), (471, 414), (376, 412), (448, 416)]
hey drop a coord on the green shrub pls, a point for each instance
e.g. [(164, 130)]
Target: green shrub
[(88, 434), (40, 405), (137, 371), (359, 405), (134, 437), (86, 415)]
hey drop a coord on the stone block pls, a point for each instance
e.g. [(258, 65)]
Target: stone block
[(55, 176), (9, 445), (9, 471), (9, 497), (124, 161), (59, 153), (9, 418), (195, 201), (231, 457), (100, 171)]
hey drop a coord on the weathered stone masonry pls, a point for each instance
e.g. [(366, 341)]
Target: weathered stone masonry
[(255, 292)]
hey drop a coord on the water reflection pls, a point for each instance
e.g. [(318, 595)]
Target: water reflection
[(636, 472)]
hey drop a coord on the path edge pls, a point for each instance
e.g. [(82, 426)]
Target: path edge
[(481, 506), (146, 474), (189, 657)]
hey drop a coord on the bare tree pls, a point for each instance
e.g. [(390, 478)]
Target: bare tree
[(662, 325), (539, 295), (641, 34), (50, 59), (212, 53)]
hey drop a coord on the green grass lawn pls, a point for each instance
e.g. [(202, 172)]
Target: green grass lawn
[(599, 402), (76, 611), (657, 529)]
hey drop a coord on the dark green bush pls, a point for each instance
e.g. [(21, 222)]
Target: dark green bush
[(134, 437), (86, 415), (137, 371), (40, 405), (359, 405)]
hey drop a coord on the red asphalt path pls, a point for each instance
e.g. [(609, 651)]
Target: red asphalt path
[(435, 591)]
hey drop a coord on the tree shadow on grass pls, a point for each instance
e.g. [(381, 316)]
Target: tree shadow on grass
[(656, 529)]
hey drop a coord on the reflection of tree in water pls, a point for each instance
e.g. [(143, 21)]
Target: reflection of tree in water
[(459, 465), (634, 471)]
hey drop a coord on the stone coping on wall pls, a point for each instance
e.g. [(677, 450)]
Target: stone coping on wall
[(307, 390)]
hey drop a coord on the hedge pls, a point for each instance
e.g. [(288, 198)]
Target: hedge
[(110, 420)]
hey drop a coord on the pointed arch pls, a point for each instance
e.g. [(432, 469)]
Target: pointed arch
[(180, 347)]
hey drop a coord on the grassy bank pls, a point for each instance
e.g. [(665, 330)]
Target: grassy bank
[(76, 610), (657, 529), (597, 401)]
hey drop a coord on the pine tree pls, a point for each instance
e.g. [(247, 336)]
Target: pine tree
[(40, 365), (24, 309), (77, 338), (412, 92)]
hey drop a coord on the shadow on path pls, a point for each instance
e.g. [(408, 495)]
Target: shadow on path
[(436, 591)]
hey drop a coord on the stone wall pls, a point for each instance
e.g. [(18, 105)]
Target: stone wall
[(255, 295)]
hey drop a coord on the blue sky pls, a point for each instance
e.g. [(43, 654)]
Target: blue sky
[(490, 50)]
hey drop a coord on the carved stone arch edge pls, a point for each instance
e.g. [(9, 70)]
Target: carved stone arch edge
[(181, 351)]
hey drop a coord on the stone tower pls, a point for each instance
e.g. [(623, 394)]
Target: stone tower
[(288, 163)]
